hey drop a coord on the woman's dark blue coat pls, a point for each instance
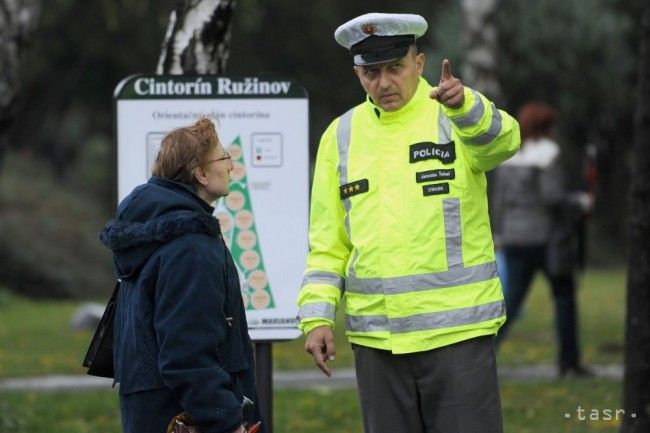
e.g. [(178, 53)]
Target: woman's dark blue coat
[(175, 348)]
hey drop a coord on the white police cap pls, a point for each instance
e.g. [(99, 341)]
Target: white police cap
[(376, 37)]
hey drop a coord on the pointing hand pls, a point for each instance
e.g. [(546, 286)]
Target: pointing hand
[(450, 91)]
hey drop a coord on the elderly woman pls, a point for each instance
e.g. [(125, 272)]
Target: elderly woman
[(181, 341)]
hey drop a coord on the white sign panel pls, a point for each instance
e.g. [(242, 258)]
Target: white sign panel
[(263, 122)]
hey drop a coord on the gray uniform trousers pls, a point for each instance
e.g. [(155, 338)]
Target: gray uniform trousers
[(451, 389)]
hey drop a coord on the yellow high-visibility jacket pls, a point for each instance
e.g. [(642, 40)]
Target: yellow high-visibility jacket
[(399, 223)]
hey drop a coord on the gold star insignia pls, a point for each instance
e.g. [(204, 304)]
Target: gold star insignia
[(357, 186)]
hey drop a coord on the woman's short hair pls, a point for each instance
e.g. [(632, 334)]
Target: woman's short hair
[(536, 120), (184, 149)]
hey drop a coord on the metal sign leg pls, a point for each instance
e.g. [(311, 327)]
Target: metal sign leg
[(264, 378)]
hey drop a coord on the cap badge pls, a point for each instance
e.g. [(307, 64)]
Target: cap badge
[(369, 29)]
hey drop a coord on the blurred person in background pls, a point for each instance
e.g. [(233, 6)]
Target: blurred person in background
[(535, 220), (181, 339), (399, 234)]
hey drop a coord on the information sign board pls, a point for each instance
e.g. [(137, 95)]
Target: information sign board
[(263, 122)]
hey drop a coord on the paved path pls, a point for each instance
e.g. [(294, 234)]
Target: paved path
[(301, 379)]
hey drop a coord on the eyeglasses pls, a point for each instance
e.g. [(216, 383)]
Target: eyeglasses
[(227, 158)]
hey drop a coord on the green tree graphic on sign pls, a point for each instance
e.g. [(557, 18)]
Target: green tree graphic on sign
[(237, 222)]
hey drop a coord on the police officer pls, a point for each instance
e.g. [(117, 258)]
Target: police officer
[(399, 224)]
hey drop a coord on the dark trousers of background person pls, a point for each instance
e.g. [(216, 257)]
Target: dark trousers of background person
[(452, 389), (522, 263)]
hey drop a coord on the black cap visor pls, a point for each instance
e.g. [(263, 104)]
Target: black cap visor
[(380, 49)]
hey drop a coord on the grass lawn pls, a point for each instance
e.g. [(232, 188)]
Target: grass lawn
[(527, 408), (36, 339), (601, 304)]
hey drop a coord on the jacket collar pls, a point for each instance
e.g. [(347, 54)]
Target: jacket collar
[(183, 188), (420, 97)]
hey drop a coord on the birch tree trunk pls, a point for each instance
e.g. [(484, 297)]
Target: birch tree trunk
[(479, 69), (17, 19), (198, 38), (637, 333)]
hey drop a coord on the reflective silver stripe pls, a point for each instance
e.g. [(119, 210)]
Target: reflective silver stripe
[(447, 319), (473, 116), (317, 309), (444, 128), (427, 321), (453, 237), (320, 277), (493, 131), (412, 283), (456, 274), (343, 134), (366, 323), (353, 262)]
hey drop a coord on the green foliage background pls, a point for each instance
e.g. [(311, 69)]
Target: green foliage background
[(579, 55)]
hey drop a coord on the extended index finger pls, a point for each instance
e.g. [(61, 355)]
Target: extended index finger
[(446, 71), (320, 363)]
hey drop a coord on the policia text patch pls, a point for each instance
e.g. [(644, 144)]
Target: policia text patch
[(435, 189), (354, 188), (446, 153)]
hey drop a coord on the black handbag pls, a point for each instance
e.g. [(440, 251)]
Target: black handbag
[(99, 358)]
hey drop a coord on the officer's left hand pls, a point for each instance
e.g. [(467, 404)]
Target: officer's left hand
[(449, 92), (320, 344)]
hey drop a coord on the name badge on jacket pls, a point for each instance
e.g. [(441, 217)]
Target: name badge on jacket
[(435, 188), (446, 153)]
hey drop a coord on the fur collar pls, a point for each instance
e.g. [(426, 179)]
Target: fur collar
[(121, 235)]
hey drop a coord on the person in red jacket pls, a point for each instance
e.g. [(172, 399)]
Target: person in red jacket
[(535, 223)]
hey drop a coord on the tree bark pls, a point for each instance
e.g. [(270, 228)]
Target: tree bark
[(198, 38), (637, 334), (479, 69), (17, 19)]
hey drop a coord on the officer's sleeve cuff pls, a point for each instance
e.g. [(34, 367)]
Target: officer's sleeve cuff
[(307, 326), (468, 103)]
